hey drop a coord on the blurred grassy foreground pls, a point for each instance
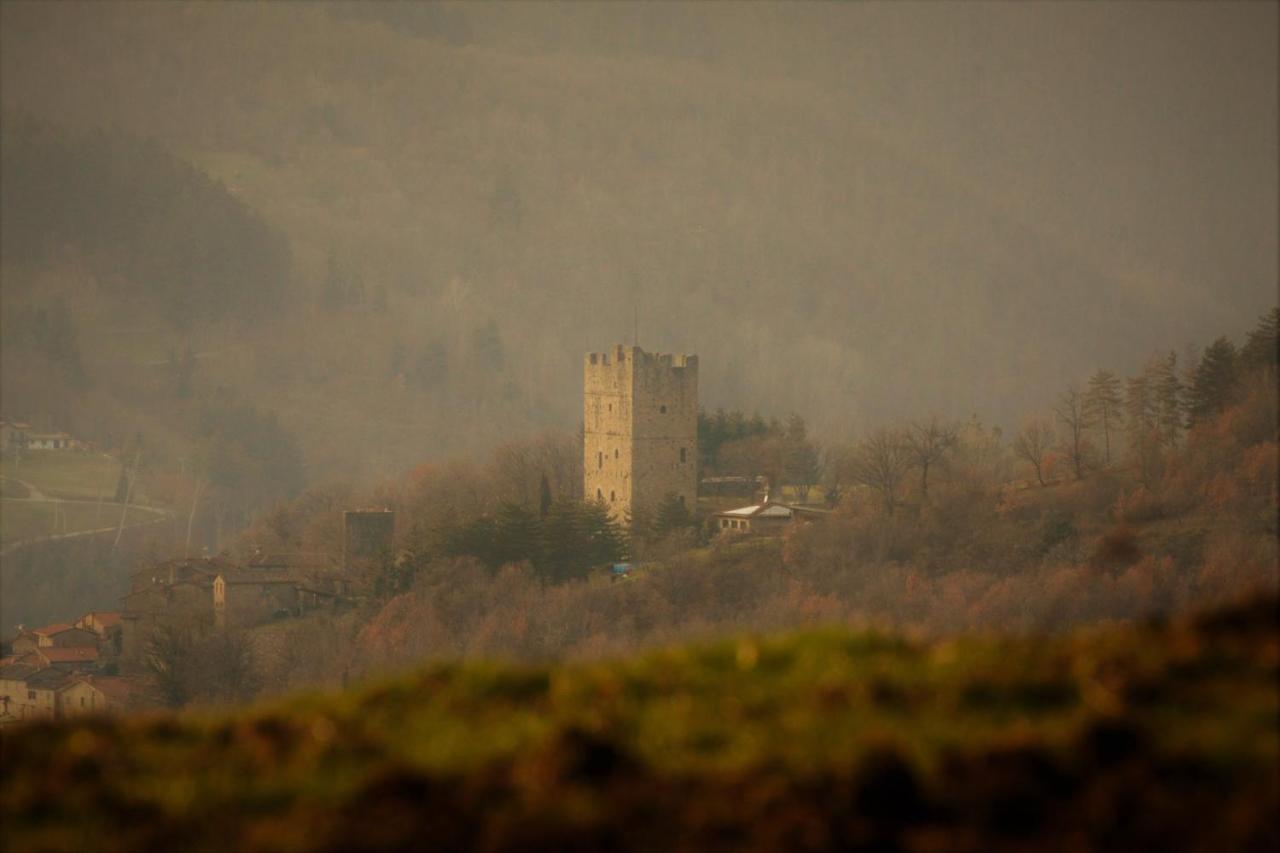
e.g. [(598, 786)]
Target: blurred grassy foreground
[(1152, 737)]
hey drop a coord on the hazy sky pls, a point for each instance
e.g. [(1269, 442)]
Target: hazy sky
[(859, 211)]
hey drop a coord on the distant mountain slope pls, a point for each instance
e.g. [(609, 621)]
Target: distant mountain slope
[(544, 199), (149, 227), (1158, 737)]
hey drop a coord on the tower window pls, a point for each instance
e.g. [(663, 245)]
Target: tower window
[(599, 494), (615, 453), (611, 407), (662, 409), (613, 496), (599, 458), (684, 453)]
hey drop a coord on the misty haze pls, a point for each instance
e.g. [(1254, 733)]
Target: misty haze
[(807, 422)]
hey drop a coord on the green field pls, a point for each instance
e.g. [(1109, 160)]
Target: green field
[(1154, 737), (22, 520), (64, 474)]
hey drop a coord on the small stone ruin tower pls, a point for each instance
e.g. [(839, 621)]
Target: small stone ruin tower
[(640, 429), (367, 534)]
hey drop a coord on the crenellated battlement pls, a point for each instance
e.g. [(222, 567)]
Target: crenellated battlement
[(622, 355)]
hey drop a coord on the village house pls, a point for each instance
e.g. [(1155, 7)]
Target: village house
[(68, 659), (221, 593), (765, 518), (94, 695), (13, 690), (64, 670), (13, 434), (51, 441), (53, 636), (102, 622), (246, 598), (28, 693)]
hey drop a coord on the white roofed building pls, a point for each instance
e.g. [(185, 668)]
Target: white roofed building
[(763, 518)]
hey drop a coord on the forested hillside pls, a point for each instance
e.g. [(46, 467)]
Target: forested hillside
[(151, 230), (471, 200)]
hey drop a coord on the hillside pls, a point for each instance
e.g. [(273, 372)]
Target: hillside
[(1154, 737), (471, 203)]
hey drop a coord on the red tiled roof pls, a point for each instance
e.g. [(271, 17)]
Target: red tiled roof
[(50, 630), (71, 655)]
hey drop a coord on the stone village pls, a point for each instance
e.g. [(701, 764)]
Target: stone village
[(640, 447)]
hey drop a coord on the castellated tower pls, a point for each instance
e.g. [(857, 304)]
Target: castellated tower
[(640, 429)]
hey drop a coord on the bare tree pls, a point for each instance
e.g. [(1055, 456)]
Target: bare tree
[(188, 662), (1071, 414), (197, 488), (881, 461), (1032, 443), (128, 494), (927, 444), (170, 661)]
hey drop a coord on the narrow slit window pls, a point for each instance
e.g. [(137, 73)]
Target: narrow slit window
[(683, 455), (662, 409)]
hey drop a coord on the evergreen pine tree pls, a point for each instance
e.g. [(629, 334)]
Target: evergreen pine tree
[(517, 535), (1139, 406), (1102, 406), (672, 515), (1215, 382), (1261, 351), (1169, 399)]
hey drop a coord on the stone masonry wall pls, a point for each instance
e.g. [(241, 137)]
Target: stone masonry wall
[(640, 420)]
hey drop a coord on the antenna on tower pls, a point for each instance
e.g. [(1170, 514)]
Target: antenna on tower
[(635, 324)]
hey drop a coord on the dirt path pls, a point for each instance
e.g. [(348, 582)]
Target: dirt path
[(33, 494)]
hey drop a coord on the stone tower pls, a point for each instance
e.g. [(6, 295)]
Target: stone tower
[(367, 534), (640, 429)]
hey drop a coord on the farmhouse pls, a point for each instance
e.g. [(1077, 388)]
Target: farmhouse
[(768, 517), (50, 441)]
